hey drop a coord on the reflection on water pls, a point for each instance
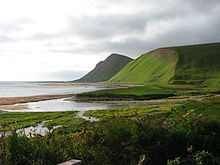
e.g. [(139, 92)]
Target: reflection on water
[(18, 89), (60, 105), (32, 130), (66, 105), (92, 119)]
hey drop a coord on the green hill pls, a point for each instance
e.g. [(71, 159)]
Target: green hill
[(155, 66), (198, 64), (106, 69), (194, 64)]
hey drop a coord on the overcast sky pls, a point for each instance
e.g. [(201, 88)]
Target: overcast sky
[(64, 39)]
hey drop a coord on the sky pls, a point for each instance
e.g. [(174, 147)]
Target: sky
[(64, 39)]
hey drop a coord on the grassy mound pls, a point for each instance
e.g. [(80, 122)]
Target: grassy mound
[(194, 64), (156, 66), (133, 93)]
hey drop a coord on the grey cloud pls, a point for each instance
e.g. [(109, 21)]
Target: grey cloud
[(41, 36), (183, 34), (107, 25), (66, 75), (5, 28), (188, 22), (99, 27), (203, 5), (92, 48), (14, 26), (4, 38)]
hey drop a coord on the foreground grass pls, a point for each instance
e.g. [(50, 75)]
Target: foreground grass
[(187, 134), (209, 108)]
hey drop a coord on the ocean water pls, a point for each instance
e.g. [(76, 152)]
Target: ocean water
[(19, 89)]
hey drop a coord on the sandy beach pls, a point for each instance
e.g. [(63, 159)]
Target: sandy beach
[(15, 100)]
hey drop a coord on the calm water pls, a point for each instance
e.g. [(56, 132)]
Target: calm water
[(60, 105), (19, 89), (66, 105)]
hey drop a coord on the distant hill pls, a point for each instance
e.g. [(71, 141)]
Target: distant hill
[(106, 69), (193, 64)]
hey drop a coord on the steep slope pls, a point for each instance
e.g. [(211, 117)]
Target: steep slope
[(106, 69), (156, 66), (198, 64), (194, 64)]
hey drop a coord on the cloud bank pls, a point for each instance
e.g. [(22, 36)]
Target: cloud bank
[(65, 39)]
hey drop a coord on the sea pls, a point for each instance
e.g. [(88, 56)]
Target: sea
[(21, 89)]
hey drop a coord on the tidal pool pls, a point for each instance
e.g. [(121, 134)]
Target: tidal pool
[(60, 105), (32, 130)]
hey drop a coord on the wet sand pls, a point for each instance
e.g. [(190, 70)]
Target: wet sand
[(14, 107), (15, 100)]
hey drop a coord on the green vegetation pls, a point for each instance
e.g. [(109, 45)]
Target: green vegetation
[(187, 134), (141, 91), (156, 66), (147, 92), (106, 69), (131, 112), (165, 134), (198, 64), (136, 93), (194, 64), (13, 121), (208, 108)]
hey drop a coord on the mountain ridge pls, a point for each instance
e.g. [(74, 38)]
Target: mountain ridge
[(104, 70)]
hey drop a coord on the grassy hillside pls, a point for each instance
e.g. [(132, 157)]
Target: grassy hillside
[(198, 64), (106, 69), (156, 66), (194, 64)]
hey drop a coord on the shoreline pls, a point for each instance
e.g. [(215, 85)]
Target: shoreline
[(147, 102), (94, 84), (27, 99)]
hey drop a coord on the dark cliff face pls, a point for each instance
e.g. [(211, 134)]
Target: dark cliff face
[(106, 69)]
